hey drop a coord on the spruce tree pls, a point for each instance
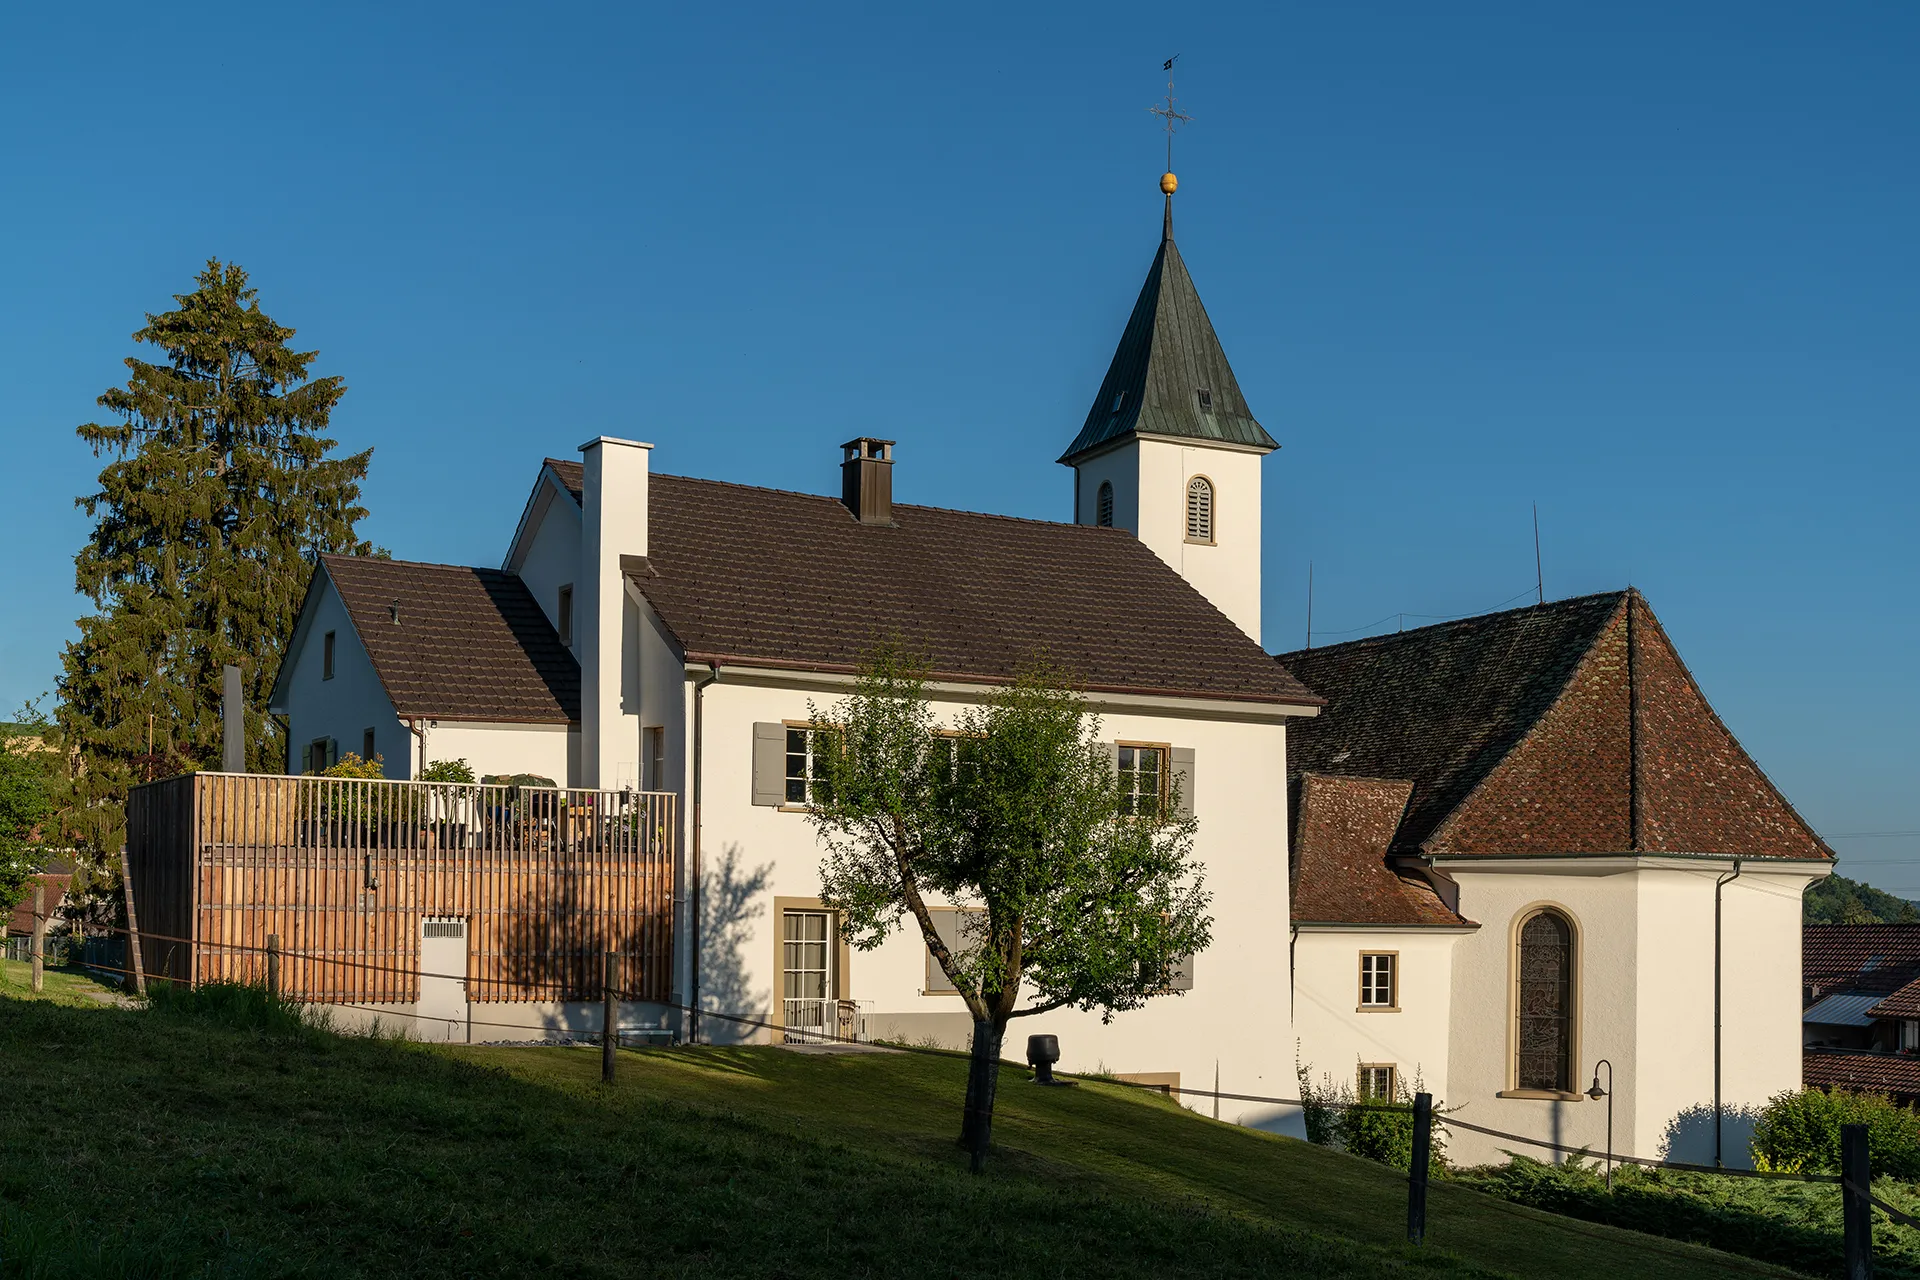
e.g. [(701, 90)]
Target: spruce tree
[(221, 492)]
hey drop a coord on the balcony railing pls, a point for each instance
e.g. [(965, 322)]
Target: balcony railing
[(826, 1021)]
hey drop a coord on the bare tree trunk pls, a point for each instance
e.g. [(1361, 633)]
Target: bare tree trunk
[(983, 1079)]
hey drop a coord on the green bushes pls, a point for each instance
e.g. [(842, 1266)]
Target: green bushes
[(1799, 1132), (1376, 1128)]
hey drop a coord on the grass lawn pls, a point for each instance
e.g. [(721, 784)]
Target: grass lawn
[(163, 1143), (62, 986)]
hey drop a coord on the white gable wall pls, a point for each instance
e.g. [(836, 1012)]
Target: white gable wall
[(1236, 1016), (344, 707), (550, 559)]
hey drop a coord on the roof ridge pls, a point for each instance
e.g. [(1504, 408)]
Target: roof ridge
[(410, 564), (900, 506), (1470, 619)]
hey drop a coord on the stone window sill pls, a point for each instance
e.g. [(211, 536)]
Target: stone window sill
[(1542, 1095)]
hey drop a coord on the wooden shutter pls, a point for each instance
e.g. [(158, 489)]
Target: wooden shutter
[(1181, 978), (770, 764), (1183, 777)]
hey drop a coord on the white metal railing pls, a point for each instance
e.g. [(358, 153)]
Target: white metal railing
[(825, 1021)]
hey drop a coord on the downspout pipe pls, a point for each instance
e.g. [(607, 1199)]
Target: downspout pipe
[(696, 906), (1718, 885)]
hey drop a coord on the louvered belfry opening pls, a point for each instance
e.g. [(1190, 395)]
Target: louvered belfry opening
[(1199, 510), (866, 479)]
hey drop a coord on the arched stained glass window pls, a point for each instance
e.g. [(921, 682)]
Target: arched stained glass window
[(1545, 1036), (1199, 509), (1103, 505)]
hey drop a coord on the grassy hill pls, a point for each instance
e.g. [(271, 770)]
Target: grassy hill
[(184, 1143)]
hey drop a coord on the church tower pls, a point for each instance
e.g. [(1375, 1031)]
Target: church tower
[(1170, 450)]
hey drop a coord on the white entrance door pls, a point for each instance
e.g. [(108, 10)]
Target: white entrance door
[(442, 1011)]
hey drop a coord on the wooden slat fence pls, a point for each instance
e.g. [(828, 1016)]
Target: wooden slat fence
[(343, 871)]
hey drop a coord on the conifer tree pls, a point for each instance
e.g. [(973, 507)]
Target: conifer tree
[(221, 492)]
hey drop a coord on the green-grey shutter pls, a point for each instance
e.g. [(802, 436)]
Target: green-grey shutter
[(946, 923), (1181, 979), (306, 758), (770, 764), (333, 752), (1113, 757), (1183, 778)]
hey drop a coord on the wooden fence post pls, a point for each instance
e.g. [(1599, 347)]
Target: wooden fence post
[(609, 1023), (273, 965), (1856, 1214), (39, 935), (1417, 1168)]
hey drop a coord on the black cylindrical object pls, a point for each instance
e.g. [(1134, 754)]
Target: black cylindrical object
[(1042, 1053)]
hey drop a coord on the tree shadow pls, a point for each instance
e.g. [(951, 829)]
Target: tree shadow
[(1689, 1135), (731, 900)]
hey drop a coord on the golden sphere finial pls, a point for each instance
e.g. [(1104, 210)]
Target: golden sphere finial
[(1169, 183)]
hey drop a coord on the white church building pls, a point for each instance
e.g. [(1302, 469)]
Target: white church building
[(1481, 856)]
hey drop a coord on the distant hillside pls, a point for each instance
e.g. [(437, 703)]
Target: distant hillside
[(1838, 900)]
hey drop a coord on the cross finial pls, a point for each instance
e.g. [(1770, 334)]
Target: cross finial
[(1174, 118)]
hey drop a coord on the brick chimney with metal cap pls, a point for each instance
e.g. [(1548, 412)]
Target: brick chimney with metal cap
[(866, 480)]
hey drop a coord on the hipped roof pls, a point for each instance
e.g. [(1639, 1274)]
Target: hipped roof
[(1566, 728)]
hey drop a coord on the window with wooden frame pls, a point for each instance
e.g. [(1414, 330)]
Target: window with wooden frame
[(1379, 980), (1200, 510), (956, 752), (326, 656), (653, 741), (803, 769), (1378, 1081), (1143, 779)]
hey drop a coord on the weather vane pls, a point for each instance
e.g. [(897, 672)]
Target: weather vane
[(1169, 113)]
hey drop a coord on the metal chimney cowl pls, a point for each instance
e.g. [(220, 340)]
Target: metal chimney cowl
[(866, 479)]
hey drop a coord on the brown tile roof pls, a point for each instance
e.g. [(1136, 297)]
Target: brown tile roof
[(1867, 958), (1570, 727), (1340, 874), (1904, 1003), (470, 644), (1894, 1073), (763, 576)]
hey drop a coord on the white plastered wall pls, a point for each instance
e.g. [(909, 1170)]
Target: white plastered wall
[(1336, 1036), (1644, 1001), (1149, 478), (1236, 1016), (349, 704), (550, 559), (543, 749)]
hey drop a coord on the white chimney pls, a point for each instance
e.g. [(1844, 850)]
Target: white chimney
[(613, 502)]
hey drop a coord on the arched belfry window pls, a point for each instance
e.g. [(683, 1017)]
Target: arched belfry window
[(1199, 509), (1545, 1031), (1103, 505)]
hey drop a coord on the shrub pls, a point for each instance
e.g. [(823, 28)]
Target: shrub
[(1375, 1128), (1799, 1132), (352, 766), (448, 771)]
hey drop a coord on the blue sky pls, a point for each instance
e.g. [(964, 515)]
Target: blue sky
[(1650, 265)]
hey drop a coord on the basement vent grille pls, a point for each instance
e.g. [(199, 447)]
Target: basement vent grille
[(445, 929)]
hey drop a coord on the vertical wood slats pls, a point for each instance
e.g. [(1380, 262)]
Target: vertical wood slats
[(342, 870)]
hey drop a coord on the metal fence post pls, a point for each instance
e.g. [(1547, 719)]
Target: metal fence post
[(1856, 1214), (273, 965), (609, 1024), (1417, 1168)]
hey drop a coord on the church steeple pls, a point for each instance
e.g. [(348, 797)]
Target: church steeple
[(1169, 377), (1169, 449)]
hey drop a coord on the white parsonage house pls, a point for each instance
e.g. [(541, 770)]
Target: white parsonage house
[(1482, 855)]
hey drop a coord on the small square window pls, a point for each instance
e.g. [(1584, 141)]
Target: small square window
[(1377, 985), (1119, 402), (1378, 1081), (366, 745), (1206, 400), (326, 657)]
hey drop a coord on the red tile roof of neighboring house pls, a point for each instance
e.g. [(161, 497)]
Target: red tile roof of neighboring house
[(1565, 728), (766, 577), (1895, 1073), (1880, 958), (1904, 1003), (1340, 872), (21, 920), (468, 644)]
